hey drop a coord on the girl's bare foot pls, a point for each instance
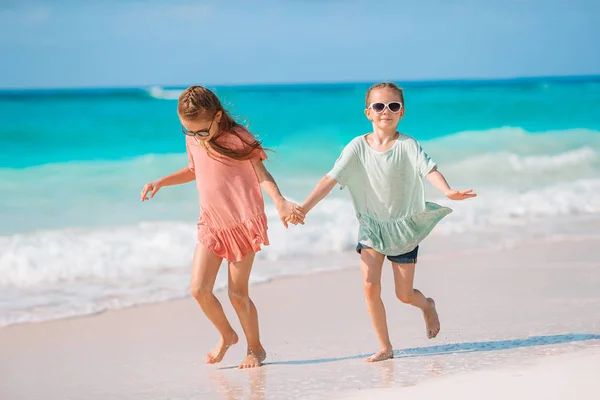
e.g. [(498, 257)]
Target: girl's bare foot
[(218, 353), (254, 358), (432, 321), (380, 356)]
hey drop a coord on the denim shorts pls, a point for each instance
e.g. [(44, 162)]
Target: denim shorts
[(406, 258)]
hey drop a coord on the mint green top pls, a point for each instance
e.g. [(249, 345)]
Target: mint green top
[(388, 194)]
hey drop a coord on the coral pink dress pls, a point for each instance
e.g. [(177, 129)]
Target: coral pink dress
[(232, 220)]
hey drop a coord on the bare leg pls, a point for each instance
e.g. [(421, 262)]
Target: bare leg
[(404, 275), (371, 263), (205, 267), (239, 274)]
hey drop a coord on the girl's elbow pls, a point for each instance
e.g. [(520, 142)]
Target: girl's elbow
[(327, 183), (327, 180)]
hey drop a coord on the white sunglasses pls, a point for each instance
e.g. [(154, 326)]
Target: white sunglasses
[(394, 106)]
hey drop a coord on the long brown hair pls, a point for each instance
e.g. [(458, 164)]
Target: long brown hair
[(197, 102), (383, 85)]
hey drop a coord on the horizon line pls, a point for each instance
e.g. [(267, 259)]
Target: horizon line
[(308, 83)]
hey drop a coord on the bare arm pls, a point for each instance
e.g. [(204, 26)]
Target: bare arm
[(286, 209), (184, 175), (438, 181), (319, 192), (267, 182)]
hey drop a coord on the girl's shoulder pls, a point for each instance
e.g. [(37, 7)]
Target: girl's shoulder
[(237, 138), (404, 138), (356, 143), (242, 132), (408, 142)]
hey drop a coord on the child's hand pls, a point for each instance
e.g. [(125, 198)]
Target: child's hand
[(153, 187), (289, 211), (460, 194), (294, 219)]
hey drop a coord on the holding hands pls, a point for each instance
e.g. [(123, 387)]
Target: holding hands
[(290, 212)]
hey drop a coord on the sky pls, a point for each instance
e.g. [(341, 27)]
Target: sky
[(132, 43)]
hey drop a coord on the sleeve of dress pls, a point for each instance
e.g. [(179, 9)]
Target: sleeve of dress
[(259, 155), (345, 165), (424, 164)]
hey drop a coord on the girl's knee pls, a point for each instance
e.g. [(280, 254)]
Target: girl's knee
[(405, 296), (238, 298), (200, 293), (372, 290)]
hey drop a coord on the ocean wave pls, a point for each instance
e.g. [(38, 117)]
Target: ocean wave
[(75, 271), (496, 208), (132, 252), (510, 170), (158, 92), (63, 273), (514, 140), (514, 147), (503, 159), (542, 163)]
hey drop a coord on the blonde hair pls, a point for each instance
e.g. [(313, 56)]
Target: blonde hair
[(198, 102), (384, 85)]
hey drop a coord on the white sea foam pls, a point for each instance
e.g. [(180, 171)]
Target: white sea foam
[(58, 273), (164, 94)]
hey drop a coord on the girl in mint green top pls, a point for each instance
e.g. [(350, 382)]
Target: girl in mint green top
[(383, 171), (388, 194)]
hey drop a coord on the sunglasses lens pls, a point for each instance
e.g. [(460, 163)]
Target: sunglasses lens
[(378, 107), (395, 107), (198, 133)]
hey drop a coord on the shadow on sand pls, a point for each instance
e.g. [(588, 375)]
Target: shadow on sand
[(455, 348)]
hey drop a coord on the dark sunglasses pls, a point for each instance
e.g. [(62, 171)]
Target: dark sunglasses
[(394, 106), (202, 132)]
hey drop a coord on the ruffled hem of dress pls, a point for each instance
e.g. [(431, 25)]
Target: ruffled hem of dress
[(235, 242), (399, 236)]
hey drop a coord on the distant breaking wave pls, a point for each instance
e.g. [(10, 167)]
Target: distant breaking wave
[(158, 92)]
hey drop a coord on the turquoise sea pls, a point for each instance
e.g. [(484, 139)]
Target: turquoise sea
[(75, 239)]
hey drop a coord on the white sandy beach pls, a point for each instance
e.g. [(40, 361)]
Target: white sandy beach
[(567, 376), (503, 314)]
